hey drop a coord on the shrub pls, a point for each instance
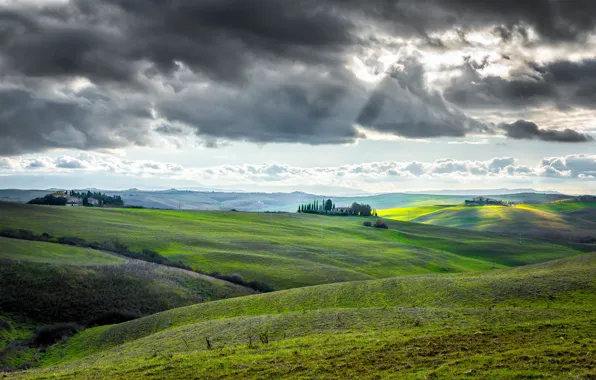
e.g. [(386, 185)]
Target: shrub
[(49, 200), (5, 325), (18, 234), (260, 286), (69, 240), (115, 246), (238, 280), (380, 224), (112, 318), (48, 335), (367, 224)]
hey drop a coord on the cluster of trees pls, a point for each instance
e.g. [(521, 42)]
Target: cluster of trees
[(363, 209), (49, 200), (328, 207), (317, 207), (105, 199)]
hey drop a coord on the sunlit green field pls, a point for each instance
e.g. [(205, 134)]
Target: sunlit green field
[(533, 321), (561, 222), (286, 250), (410, 213)]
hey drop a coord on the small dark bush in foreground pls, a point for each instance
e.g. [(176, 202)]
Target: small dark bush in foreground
[(48, 335), (367, 224), (380, 224), (111, 318), (4, 325)]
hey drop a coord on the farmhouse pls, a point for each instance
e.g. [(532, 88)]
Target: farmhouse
[(93, 202), (342, 210), (73, 201)]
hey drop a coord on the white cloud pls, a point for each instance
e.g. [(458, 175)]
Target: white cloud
[(370, 176)]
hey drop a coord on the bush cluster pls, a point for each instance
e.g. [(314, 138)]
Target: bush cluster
[(48, 335), (49, 200), (24, 235), (380, 224), (239, 280), (112, 318), (5, 325)]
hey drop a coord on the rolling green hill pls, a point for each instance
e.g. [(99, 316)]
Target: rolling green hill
[(558, 222), (285, 250), (44, 283), (534, 321)]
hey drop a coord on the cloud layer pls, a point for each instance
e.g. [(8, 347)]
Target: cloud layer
[(102, 74), (365, 177)]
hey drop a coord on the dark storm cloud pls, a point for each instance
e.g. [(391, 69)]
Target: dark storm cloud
[(527, 130), (307, 107), (106, 40), (402, 105), (31, 123), (564, 84), (259, 70)]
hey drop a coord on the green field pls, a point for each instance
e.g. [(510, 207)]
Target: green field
[(562, 222), (42, 252), (286, 250), (412, 301), (536, 321), (410, 213), (44, 283)]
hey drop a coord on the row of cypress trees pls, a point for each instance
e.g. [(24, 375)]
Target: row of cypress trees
[(317, 207)]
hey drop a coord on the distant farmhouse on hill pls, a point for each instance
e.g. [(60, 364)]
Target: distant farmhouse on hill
[(483, 201), (73, 198)]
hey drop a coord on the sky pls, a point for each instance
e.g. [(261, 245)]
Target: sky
[(326, 96)]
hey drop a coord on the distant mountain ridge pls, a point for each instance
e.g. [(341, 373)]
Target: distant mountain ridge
[(289, 202)]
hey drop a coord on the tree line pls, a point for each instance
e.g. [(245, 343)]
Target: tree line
[(317, 207), (61, 199), (105, 199), (328, 207)]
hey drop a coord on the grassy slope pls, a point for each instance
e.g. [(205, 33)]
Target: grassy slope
[(14, 249), (45, 282), (553, 221), (534, 321), (285, 250), (410, 213)]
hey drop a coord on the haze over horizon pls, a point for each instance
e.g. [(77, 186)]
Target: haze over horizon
[(330, 97)]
